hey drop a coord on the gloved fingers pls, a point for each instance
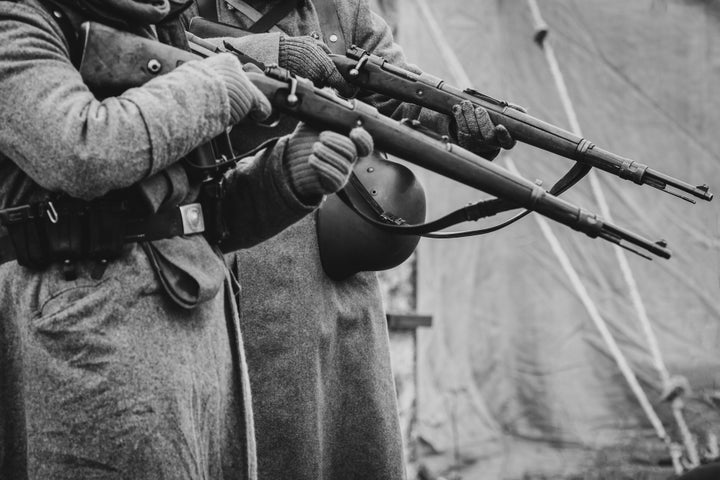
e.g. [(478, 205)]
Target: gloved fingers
[(323, 46), (461, 120), (330, 179), (330, 162), (243, 96), (363, 141), (503, 137), (305, 132), (338, 82), (474, 122), (334, 142), (485, 127), (304, 56), (261, 107), (332, 157)]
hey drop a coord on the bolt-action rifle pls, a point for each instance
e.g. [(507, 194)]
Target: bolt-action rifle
[(374, 73), (136, 60)]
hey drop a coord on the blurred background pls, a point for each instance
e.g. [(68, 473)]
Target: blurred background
[(551, 355)]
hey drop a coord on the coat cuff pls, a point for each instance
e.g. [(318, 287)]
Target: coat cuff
[(264, 47)]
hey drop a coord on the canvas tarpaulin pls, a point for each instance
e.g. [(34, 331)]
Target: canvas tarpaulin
[(514, 377)]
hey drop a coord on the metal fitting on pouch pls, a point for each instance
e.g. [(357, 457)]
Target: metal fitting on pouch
[(64, 231)]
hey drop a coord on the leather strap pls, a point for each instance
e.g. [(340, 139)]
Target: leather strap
[(162, 225), (208, 9), (330, 25), (273, 16), (206, 28), (327, 13), (69, 22), (393, 224)]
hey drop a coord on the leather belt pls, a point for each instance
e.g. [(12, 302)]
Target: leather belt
[(184, 220)]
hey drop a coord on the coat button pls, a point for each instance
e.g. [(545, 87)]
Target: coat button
[(333, 38)]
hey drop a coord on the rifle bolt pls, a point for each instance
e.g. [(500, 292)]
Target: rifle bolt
[(154, 66), (292, 99)]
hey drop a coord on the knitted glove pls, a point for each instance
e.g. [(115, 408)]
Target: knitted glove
[(245, 97), (476, 132), (320, 164), (309, 58)]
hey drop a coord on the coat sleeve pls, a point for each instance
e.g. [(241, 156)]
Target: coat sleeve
[(264, 47), (371, 33), (68, 141), (259, 193)]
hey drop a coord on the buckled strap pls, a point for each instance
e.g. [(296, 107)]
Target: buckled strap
[(184, 220)]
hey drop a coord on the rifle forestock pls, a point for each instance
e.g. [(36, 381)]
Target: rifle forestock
[(376, 74), (324, 110), (136, 60)]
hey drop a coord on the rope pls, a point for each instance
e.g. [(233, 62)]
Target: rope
[(461, 77), (597, 319), (600, 195), (541, 31)]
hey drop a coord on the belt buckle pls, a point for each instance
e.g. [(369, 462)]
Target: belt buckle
[(192, 218)]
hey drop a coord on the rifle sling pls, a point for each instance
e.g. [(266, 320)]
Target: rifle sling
[(274, 15), (472, 212), (208, 9), (328, 17), (69, 24), (493, 206), (330, 25)]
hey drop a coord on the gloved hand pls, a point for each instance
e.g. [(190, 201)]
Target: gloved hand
[(309, 58), (321, 163), (245, 97), (476, 132)]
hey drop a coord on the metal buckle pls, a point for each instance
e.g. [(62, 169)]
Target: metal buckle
[(192, 218)]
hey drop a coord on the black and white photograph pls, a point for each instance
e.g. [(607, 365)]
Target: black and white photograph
[(359, 240)]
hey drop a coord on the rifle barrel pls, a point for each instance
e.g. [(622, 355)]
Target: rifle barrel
[(376, 74), (324, 110)]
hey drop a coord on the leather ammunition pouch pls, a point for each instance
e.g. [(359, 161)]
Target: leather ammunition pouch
[(67, 230)]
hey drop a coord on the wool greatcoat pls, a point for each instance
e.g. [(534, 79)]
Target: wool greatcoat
[(105, 378), (318, 352)]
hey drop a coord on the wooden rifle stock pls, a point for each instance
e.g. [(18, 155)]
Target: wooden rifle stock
[(326, 111), (373, 73)]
